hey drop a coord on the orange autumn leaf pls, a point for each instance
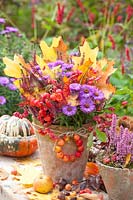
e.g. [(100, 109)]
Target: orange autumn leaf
[(61, 50), (104, 73), (91, 168), (84, 69), (128, 158)]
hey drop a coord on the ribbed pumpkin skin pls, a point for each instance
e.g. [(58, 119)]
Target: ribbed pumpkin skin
[(14, 126), (18, 146), (17, 137)]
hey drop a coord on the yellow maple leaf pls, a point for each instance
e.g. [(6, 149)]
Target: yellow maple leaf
[(44, 67), (38, 196), (86, 53), (49, 53), (13, 69)]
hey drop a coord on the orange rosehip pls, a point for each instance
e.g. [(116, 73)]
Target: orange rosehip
[(68, 187), (57, 149), (60, 155), (81, 148), (75, 182), (72, 158), (61, 142), (14, 172), (66, 158), (76, 137)]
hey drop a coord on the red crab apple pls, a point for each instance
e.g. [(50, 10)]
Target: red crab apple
[(43, 184)]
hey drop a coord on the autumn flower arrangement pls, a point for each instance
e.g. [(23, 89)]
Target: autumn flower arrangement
[(62, 88)]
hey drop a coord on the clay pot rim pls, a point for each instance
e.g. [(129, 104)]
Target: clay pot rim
[(113, 168)]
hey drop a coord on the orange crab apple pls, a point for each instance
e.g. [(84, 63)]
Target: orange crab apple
[(43, 184), (76, 137), (61, 142), (57, 149)]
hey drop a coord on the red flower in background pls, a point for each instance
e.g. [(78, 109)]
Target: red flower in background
[(127, 52), (80, 4), (71, 12), (60, 13), (92, 17), (112, 41), (129, 12), (122, 68), (119, 18), (116, 9)]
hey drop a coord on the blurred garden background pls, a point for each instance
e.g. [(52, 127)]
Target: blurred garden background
[(107, 24)]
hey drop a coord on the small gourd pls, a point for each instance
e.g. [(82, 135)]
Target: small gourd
[(17, 136)]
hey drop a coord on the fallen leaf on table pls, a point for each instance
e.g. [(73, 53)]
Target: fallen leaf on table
[(128, 158), (38, 196), (3, 174), (92, 196), (35, 162), (91, 169), (27, 175)]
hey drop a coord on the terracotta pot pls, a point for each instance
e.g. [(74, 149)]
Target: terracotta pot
[(118, 182), (53, 166)]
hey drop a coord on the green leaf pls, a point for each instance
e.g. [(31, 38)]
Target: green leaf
[(101, 136), (90, 141)]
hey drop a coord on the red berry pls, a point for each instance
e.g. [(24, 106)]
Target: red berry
[(78, 154), (79, 142), (106, 160)]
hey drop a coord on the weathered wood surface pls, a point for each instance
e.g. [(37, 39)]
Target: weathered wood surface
[(11, 189)]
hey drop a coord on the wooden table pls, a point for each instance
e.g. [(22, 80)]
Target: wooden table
[(9, 188)]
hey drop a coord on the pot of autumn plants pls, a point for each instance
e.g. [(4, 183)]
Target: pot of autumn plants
[(116, 162), (63, 92)]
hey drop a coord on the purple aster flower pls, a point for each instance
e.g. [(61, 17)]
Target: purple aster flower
[(98, 94), (12, 79), (86, 105), (4, 32), (74, 53), (67, 74), (2, 100), (66, 66), (11, 86), (55, 64), (69, 110), (58, 62), (45, 78), (2, 21), (86, 91), (75, 87), (11, 29), (4, 81)]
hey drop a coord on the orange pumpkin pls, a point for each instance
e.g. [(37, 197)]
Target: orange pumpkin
[(16, 137)]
